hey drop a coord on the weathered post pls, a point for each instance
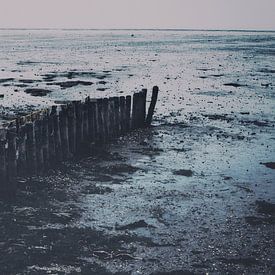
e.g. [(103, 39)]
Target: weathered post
[(116, 116), (45, 140), (152, 105), (38, 144), (85, 119), (100, 132), (139, 109), (79, 125), (106, 122), (135, 111), (21, 147), (57, 137), (142, 107), (3, 160), (51, 138), (111, 112), (64, 134), (122, 114), (71, 128), (92, 120), (96, 120), (30, 149), (128, 104), (11, 155)]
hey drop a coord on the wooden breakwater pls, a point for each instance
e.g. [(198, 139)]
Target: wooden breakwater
[(31, 144)]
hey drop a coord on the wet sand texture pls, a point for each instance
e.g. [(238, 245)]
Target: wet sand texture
[(32, 144)]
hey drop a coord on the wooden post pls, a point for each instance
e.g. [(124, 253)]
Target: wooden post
[(85, 119), (96, 121), (116, 116), (63, 122), (106, 122), (71, 128), (51, 138), (57, 137), (142, 107), (135, 111), (30, 149), (139, 109), (128, 113), (79, 124), (92, 120), (45, 140), (3, 160), (11, 155), (152, 105), (21, 147), (38, 145), (111, 113), (122, 115), (100, 132)]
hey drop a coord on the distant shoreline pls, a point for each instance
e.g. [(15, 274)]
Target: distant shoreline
[(136, 29)]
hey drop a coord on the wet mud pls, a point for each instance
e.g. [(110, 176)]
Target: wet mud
[(124, 209)]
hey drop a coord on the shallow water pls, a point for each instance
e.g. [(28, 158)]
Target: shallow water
[(182, 63), (191, 194)]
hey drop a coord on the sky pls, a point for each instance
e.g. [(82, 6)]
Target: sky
[(141, 14)]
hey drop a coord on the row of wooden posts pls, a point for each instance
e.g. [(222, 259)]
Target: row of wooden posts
[(31, 144)]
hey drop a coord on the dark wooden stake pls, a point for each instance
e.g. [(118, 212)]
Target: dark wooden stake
[(122, 115), (64, 134), (38, 145), (152, 105), (3, 163), (71, 128), (57, 137), (12, 155), (116, 116), (30, 149), (100, 129), (128, 113), (21, 147), (51, 138)]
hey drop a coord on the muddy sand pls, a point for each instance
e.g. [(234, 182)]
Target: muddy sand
[(193, 194)]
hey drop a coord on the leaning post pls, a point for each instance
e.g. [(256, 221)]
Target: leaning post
[(152, 105)]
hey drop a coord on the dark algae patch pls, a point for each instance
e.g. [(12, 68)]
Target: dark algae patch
[(224, 117), (270, 165), (69, 84), (3, 80), (37, 91), (134, 225), (236, 85), (183, 172)]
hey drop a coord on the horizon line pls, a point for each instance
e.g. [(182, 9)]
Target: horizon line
[(142, 29)]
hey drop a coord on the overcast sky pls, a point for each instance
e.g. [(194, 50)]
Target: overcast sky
[(198, 14)]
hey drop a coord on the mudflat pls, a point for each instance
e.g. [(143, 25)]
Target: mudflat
[(193, 194)]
